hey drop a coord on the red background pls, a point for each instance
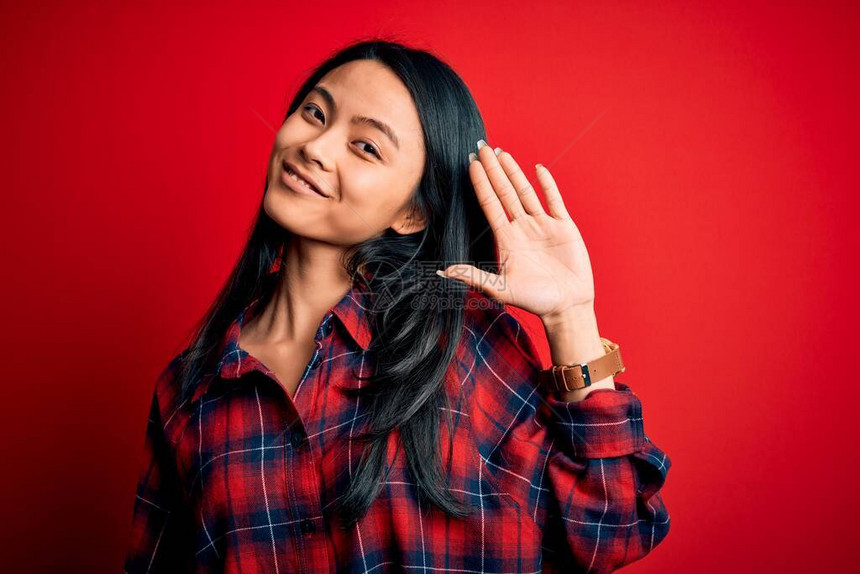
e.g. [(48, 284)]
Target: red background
[(712, 192)]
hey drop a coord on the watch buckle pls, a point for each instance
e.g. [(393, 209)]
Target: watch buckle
[(557, 370)]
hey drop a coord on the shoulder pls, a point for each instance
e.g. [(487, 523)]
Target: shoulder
[(168, 401)]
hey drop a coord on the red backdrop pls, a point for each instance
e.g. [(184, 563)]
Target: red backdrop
[(702, 150)]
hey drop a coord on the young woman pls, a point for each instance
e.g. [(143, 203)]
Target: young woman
[(343, 408)]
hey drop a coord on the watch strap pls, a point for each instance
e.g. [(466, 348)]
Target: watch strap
[(563, 378)]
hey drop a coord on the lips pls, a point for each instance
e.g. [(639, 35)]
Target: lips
[(290, 169)]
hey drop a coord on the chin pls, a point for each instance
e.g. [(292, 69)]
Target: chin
[(282, 211), (290, 216)]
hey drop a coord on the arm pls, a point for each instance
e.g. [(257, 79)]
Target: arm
[(603, 475), (159, 531), (594, 477), (606, 476)]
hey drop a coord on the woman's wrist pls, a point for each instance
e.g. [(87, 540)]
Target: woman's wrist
[(573, 340)]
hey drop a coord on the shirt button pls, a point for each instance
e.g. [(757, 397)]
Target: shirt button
[(328, 327), (299, 439), (308, 526)]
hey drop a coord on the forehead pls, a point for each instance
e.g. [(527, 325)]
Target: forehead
[(368, 88)]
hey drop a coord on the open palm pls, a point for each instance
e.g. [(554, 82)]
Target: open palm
[(544, 265)]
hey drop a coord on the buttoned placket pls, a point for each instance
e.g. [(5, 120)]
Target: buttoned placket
[(300, 468)]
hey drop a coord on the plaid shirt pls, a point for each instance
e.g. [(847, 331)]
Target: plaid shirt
[(236, 478)]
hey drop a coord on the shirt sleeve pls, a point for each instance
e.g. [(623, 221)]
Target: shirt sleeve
[(585, 470), (159, 528)]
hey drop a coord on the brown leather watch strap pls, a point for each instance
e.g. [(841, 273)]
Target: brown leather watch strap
[(562, 378)]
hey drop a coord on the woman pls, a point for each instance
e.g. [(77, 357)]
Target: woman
[(342, 408)]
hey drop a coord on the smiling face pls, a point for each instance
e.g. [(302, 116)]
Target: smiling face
[(358, 136)]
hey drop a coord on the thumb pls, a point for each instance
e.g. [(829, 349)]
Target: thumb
[(484, 281)]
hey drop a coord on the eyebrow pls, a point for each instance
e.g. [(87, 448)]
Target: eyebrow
[(373, 122)]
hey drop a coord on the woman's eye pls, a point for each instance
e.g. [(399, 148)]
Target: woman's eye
[(314, 109), (374, 152)]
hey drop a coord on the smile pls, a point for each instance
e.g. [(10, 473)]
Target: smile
[(298, 184)]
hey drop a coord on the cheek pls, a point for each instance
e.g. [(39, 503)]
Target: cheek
[(375, 198), (358, 219), (368, 205), (367, 211), (292, 130), (346, 222)]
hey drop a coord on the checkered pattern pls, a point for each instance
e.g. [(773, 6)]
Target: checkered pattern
[(237, 477)]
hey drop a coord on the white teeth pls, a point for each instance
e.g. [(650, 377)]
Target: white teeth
[(298, 179)]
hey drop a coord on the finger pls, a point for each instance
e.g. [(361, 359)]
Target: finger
[(502, 185), (489, 283), (487, 198), (521, 183), (553, 196)]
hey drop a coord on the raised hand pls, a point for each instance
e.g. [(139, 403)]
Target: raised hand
[(544, 266)]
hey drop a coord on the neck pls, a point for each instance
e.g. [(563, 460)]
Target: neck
[(314, 281)]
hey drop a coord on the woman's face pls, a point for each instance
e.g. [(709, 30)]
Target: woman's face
[(368, 175)]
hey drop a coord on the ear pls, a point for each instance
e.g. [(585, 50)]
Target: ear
[(413, 220)]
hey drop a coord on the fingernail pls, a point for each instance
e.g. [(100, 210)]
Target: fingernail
[(481, 143), (472, 157), (498, 150)]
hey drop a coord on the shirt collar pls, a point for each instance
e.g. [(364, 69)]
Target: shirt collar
[(352, 311)]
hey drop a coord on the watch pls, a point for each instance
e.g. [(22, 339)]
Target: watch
[(564, 378)]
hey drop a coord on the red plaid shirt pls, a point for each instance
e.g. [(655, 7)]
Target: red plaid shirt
[(236, 478)]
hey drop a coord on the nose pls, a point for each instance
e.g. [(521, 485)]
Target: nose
[(318, 150)]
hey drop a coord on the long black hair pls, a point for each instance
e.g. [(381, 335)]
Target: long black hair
[(406, 388)]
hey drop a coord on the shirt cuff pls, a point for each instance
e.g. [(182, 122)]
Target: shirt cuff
[(606, 423)]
